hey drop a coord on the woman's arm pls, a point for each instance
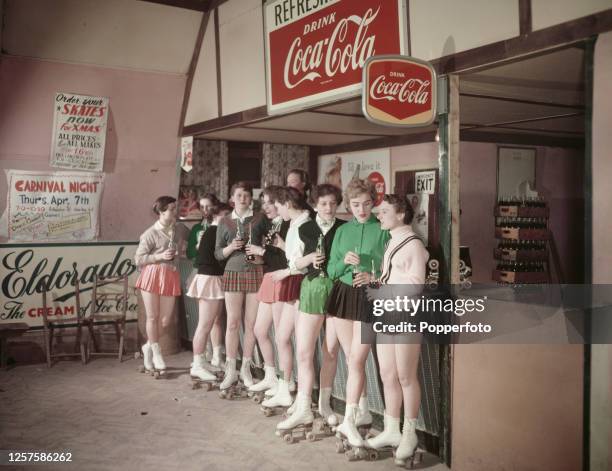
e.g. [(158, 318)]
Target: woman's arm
[(143, 255)]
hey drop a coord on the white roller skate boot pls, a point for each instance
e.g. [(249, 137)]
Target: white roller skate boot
[(270, 380), (364, 418), (301, 419), (199, 371), (147, 355), (282, 399), (348, 428), (408, 444), (390, 437), (325, 410), (216, 358), (231, 375), (158, 361), (245, 372)]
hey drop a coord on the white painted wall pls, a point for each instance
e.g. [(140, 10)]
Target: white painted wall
[(114, 33), (545, 13), (442, 27), (601, 364), (203, 102), (242, 55)]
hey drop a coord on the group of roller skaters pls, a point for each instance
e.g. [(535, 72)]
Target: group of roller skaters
[(303, 270)]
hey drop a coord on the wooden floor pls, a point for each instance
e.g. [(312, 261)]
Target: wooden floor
[(109, 416)]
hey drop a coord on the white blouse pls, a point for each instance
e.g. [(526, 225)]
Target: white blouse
[(294, 247)]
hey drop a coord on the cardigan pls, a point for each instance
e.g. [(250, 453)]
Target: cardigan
[(309, 235), (294, 249), (367, 238), (226, 233), (154, 241), (206, 262), (405, 258)]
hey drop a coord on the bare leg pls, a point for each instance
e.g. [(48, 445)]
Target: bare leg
[(356, 366), (166, 309), (330, 348), (388, 374), (216, 333), (262, 329), (283, 339), (407, 361), (250, 316), (151, 304), (208, 313), (233, 304), (307, 330)]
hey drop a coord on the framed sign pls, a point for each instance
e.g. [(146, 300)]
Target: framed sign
[(399, 91), (316, 50)]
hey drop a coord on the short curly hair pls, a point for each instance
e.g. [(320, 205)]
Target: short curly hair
[(401, 206), (358, 187)]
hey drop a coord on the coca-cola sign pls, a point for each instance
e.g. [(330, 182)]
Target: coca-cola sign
[(399, 91), (316, 49)]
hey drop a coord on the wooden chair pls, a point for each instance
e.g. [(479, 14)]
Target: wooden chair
[(49, 327), (119, 294)]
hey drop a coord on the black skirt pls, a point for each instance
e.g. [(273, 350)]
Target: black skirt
[(347, 302)]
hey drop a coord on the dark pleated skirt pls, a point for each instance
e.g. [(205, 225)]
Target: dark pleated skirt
[(346, 302)]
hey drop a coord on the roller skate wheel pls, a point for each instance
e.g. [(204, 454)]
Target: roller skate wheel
[(340, 447), (195, 386), (350, 455), (222, 394), (288, 438), (256, 399), (372, 455), (141, 369), (156, 374), (310, 436), (206, 387), (267, 412)]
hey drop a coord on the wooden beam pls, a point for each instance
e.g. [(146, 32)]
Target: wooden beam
[(218, 65), (522, 139), (310, 131), (525, 25), (197, 5), (192, 68), (520, 100), (519, 121), (229, 121), (427, 136)]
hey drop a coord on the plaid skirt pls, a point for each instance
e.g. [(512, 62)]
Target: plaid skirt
[(243, 281)]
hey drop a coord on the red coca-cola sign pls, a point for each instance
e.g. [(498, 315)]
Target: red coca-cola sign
[(316, 49), (399, 91)]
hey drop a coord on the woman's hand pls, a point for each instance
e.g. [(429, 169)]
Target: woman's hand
[(255, 250), (361, 278), (167, 254), (280, 275), (236, 244), (316, 259), (351, 258)]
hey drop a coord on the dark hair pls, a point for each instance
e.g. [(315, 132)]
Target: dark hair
[(220, 207), (304, 178), (162, 203), (401, 205), (210, 197), (293, 196), (272, 191), (243, 186), (325, 189)]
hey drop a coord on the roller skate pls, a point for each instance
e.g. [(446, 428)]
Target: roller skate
[(363, 422), (147, 355), (216, 361), (159, 366), (407, 452), (200, 376), (245, 373), (349, 440), (299, 422), (325, 411), (258, 390), (230, 388), (385, 442), (278, 403)]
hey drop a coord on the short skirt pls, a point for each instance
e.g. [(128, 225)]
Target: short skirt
[(160, 278), (243, 281), (206, 287), (314, 293), (347, 302), (286, 290)]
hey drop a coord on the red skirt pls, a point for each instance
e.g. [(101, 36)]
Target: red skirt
[(286, 290), (161, 279), (290, 288)]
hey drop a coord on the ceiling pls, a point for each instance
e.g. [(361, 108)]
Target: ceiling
[(538, 97)]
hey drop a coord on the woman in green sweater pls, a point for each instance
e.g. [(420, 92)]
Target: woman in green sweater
[(356, 252)]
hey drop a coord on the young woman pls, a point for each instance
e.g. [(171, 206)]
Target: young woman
[(207, 202), (299, 179), (269, 235), (357, 249), (316, 239), (241, 281), (404, 263), (290, 205), (207, 288), (159, 280)]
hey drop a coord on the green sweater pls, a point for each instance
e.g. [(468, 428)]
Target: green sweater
[(369, 240), (194, 238)]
